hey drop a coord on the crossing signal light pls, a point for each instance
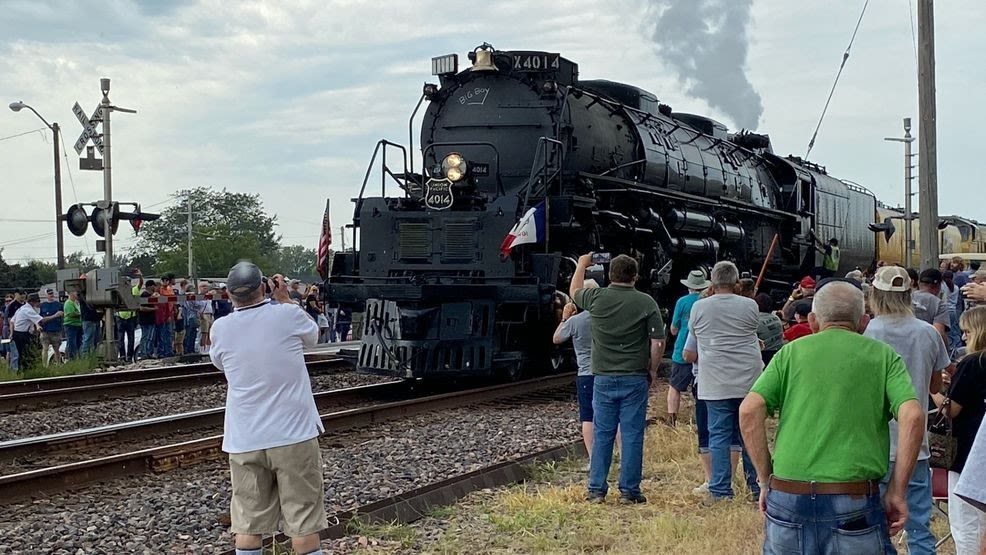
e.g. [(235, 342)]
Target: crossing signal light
[(99, 217), (137, 218), (77, 220)]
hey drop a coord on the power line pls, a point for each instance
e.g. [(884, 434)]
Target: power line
[(845, 56), (41, 130), (914, 37), (27, 239)]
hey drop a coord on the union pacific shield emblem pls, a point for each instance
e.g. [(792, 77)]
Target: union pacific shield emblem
[(438, 194)]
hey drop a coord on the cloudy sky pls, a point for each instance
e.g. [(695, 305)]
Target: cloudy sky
[(287, 99)]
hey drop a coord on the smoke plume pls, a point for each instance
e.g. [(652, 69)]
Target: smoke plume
[(705, 42)]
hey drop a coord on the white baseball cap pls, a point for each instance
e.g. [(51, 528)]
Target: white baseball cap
[(892, 278)]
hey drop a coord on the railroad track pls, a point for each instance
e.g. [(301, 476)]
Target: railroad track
[(85, 387), (44, 481)]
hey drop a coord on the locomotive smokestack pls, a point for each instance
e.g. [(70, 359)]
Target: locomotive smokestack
[(706, 44)]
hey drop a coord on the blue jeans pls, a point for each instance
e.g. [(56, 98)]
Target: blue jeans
[(618, 401), (825, 524), (147, 341), (920, 540), (724, 432), (164, 334), (954, 333), (14, 355), (90, 336), (191, 334), (125, 336), (73, 341)]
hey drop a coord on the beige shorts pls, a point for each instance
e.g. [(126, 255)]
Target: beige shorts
[(205, 323), (53, 338), (278, 489)]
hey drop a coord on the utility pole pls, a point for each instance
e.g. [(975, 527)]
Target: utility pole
[(191, 266), (59, 236), (907, 139), (928, 172), (342, 234)]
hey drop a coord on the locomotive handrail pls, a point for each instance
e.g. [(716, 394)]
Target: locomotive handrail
[(541, 148), (496, 154), (383, 177), (410, 135), (366, 177)]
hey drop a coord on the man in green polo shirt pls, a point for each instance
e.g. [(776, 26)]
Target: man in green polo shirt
[(836, 391), (627, 344)]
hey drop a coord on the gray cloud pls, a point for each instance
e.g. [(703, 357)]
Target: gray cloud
[(705, 42)]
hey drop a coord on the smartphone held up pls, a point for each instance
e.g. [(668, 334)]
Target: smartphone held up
[(601, 258)]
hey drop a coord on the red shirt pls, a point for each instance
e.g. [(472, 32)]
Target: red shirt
[(796, 331)]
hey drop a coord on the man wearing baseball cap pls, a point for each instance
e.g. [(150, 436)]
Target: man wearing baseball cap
[(928, 304), (681, 371), (802, 294), (923, 351), (271, 424)]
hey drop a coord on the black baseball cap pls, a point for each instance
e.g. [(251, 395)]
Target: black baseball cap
[(931, 276), (243, 278), (826, 281)]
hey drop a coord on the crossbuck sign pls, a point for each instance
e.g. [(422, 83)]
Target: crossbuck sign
[(88, 129)]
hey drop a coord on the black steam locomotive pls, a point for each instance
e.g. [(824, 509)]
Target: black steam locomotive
[(611, 169)]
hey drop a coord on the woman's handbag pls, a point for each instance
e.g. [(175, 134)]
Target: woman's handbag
[(940, 439)]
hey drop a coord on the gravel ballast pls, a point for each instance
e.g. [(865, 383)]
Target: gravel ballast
[(179, 512), (30, 423)]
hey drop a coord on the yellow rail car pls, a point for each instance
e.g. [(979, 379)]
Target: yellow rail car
[(956, 234)]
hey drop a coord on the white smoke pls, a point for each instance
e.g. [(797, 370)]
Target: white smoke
[(705, 42)]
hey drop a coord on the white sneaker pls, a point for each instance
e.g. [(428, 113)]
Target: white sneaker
[(702, 489)]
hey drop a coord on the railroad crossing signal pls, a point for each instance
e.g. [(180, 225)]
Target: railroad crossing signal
[(88, 129), (78, 221)]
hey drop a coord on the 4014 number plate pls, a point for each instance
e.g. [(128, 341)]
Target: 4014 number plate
[(438, 194)]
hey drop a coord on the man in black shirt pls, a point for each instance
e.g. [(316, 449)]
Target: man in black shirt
[(91, 320)]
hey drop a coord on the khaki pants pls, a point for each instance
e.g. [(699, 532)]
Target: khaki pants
[(278, 489)]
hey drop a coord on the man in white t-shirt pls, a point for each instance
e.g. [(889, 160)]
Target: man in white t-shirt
[(921, 347), (271, 425)]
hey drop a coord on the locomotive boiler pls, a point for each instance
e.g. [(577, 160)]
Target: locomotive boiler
[(607, 167)]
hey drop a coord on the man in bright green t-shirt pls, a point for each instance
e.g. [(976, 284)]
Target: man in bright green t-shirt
[(836, 391)]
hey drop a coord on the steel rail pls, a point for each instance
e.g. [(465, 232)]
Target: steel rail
[(170, 424), (99, 378), (139, 385), (413, 505), (44, 481)]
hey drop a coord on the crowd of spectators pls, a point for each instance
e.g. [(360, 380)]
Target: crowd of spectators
[(850, 367), (173, 325)]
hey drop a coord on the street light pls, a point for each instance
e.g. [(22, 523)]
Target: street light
[(59, 238)]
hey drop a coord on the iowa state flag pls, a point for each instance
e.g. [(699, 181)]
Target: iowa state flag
[(529, 229)]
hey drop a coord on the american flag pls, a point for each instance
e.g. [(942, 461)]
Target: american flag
[(324, 242)]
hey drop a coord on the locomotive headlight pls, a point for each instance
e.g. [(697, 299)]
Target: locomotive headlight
[(454, 167)]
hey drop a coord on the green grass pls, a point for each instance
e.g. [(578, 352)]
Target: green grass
[(71, 367), (386, 531)]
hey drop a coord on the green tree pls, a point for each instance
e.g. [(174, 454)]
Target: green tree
[(82, 262), (226, 227), (295, 261)]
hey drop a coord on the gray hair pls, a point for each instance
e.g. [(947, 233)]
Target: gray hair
[(838, 302), (724, 274)]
